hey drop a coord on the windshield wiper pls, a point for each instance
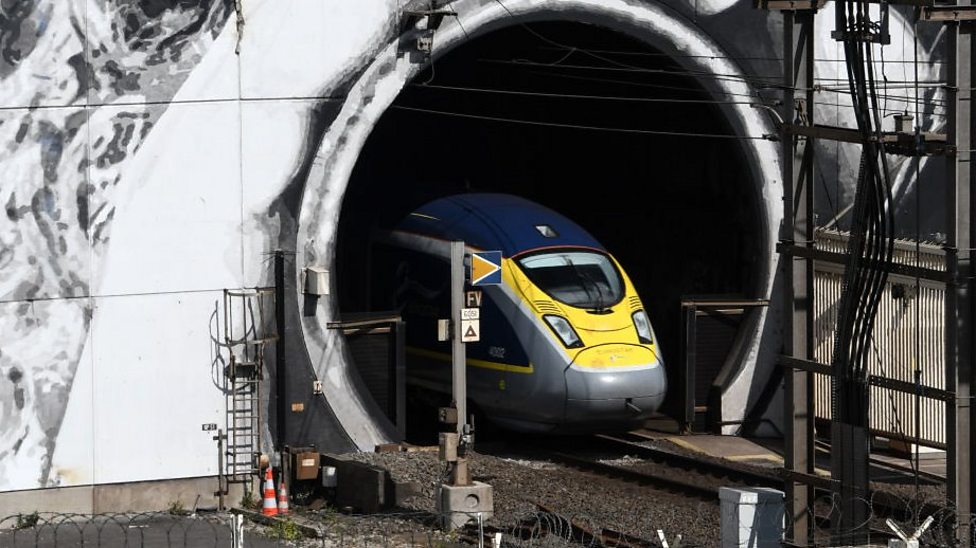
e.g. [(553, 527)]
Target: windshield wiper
[(583, 278), (600, 307)]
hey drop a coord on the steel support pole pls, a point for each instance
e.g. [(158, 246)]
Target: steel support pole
[(798, 58), (281, 376), (459, 382), (959, 294), (459, 373), (691, 358)]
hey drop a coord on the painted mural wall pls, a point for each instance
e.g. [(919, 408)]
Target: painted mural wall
[(152, 154)]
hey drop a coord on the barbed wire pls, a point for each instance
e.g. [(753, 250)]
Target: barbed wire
[(327, 528), (542, 528), (907, 513)]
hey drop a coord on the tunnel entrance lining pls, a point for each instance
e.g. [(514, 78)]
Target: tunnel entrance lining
[(380, 84)]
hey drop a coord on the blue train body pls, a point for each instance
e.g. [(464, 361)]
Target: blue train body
[(566, 345)]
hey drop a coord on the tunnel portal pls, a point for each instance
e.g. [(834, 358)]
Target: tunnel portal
[(590, 122)]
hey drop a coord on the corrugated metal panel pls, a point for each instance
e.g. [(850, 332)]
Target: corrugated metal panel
[(907, 325)]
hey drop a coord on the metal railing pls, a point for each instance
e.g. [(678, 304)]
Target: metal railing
[(909, 332)]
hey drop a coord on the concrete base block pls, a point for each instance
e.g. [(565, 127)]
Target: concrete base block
[(752, 517), (142, 496), (459, 504)]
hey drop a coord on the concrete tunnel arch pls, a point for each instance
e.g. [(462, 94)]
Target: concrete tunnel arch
[(381, 81)]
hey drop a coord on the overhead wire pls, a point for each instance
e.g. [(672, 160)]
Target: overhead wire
[(581, 126), (585, 96), (771, 82), (636, 84), (819, 88), (726, 57), (570, 50)]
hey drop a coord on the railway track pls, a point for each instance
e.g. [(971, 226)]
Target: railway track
[(692, 477), (661, 469), (702, 477), (883, 502), (718, 469)]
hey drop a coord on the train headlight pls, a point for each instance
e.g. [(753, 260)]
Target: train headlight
[(643, 325), (560, 326)]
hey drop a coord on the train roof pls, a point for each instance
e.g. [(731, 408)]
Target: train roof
[(497, 222)]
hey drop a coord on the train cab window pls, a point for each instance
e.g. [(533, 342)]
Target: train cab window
[(583, 279)]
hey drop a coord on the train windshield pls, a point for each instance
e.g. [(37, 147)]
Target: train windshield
[(583, 279)]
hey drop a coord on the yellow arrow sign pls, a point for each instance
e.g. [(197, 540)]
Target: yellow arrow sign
[(486, 268)]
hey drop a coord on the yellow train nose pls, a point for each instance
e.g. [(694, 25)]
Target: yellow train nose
[(608, 356)]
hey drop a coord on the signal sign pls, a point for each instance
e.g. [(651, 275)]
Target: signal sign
[(470, 331), (486, 268)]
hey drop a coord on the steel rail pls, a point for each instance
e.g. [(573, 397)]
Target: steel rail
[(718, 469), (633, 476)]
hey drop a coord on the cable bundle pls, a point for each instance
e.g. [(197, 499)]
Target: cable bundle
[(871, 244)]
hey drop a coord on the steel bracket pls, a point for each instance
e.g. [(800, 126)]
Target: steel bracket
[(790, 5), (944, 14)]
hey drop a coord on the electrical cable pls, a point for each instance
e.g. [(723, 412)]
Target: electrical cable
[(819, 88), (725, 57), (665, 55), (584, 127), (869, 252), (632, 83), (771, 82), (586, 97)]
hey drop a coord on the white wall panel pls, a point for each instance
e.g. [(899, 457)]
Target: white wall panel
[(42, 342), (302, 48), (178, 225), (273, 138), (73, 458), (47, 48), (153, 387), (44, 246), (217, 74), (144, 52)]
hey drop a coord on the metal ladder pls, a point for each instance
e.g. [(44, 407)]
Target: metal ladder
[(248, 330)]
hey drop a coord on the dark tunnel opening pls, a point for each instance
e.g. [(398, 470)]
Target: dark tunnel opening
[(679, 213)]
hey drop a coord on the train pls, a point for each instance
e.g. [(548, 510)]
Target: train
[(566, 345)]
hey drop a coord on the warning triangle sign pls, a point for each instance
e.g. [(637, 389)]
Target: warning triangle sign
[(469, 331)]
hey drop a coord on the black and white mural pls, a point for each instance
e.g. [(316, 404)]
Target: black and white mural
[(153, 152)]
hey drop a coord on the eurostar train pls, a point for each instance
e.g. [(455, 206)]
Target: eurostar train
[(565, 345)]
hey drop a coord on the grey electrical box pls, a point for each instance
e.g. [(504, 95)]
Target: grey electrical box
[(443, 330), (448, 446), (316, 280)]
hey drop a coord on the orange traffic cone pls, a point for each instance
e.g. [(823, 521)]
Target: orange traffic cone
[(283, 499), (269, 507)]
